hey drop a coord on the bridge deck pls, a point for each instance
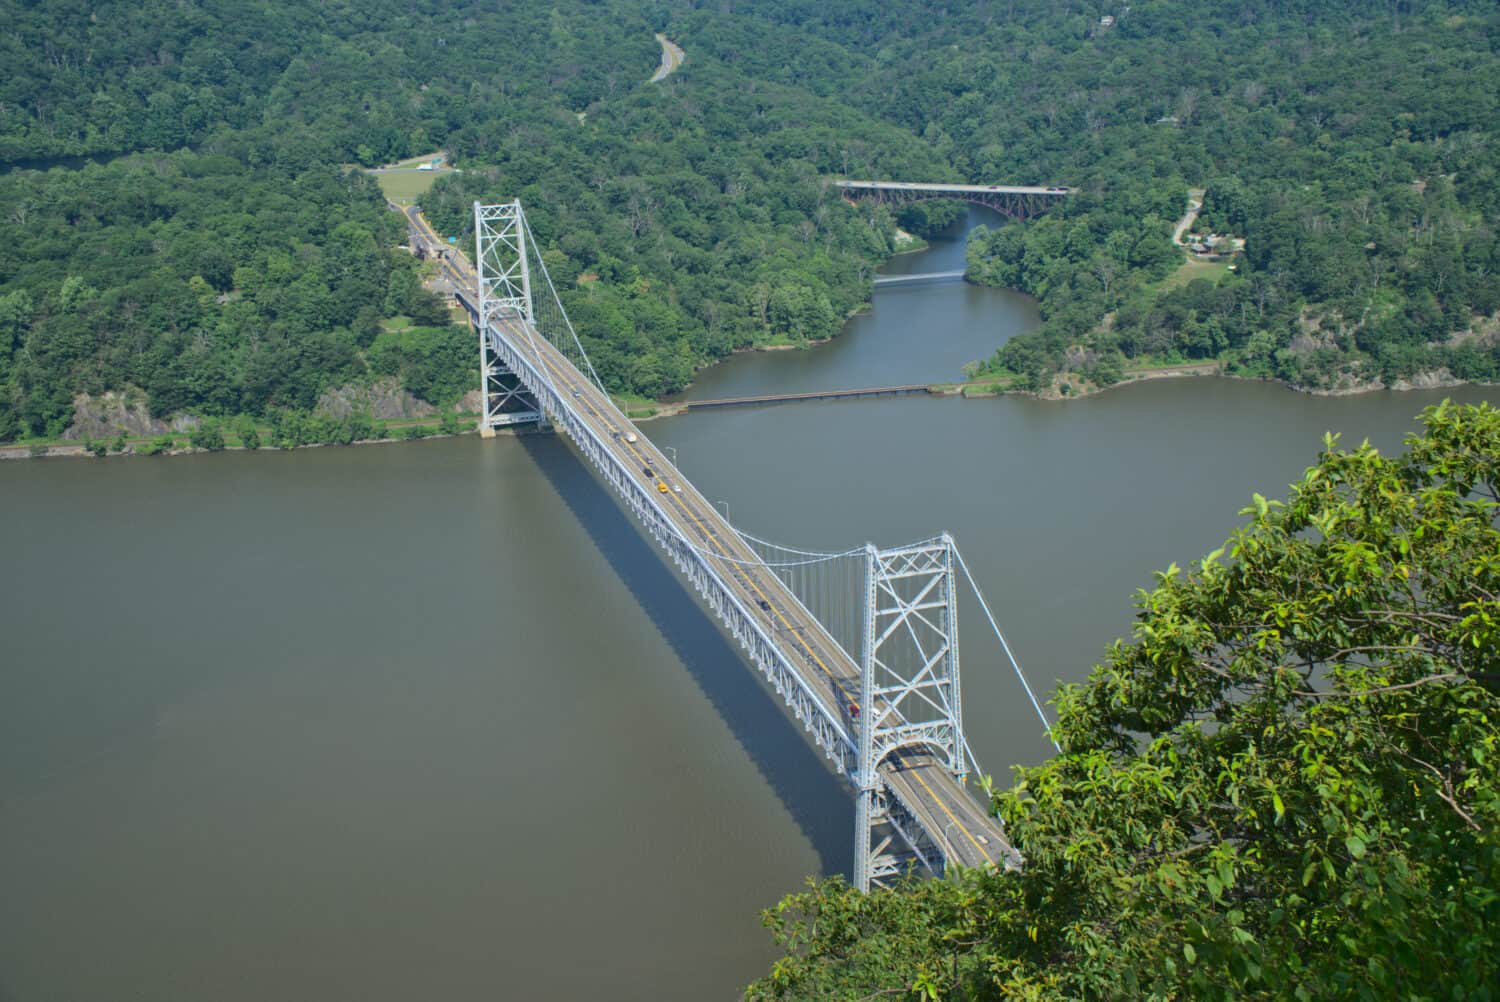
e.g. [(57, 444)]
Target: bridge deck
[(950, 816), (781, 398), (920, 277), (952, 189)]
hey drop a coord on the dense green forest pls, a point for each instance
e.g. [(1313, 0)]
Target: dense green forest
[(222, 257), (1352, 146)]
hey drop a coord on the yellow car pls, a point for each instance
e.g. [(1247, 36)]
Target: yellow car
[(662, 486)]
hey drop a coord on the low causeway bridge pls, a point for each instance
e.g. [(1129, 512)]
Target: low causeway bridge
[(785, 398), (861, 645)]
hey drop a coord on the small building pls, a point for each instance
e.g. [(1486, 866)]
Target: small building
[(1106, 21)]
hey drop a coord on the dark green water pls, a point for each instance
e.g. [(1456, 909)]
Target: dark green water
[(432, 721)]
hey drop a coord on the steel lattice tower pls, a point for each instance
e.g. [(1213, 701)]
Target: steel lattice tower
[(909, 695), (504, 288)]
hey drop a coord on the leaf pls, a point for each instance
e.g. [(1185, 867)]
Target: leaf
[(1356, 846), (1190, 953)]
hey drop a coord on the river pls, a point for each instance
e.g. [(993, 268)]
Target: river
[(432, 720)]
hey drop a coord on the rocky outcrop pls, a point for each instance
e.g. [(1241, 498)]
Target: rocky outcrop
[(384, 400), (112, 413), (1430, 379)]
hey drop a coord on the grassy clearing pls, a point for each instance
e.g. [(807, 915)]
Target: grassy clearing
[(988, 387), (1193, 268), (635, 406), (979, 386), (406, 187), (909, 243), (1151, 363)]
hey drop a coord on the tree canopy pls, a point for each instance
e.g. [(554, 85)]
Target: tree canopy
[(1285, 785), (1351, 147)]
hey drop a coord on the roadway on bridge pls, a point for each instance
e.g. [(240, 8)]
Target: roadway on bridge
[(952, 189), (944, 807), (964, 832), (926, 276)]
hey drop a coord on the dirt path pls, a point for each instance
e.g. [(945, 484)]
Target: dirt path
[(1168, 371), (671, 58), (1195, 204)]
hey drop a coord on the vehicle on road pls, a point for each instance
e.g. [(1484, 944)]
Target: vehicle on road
[(662, 486), (632, 437), (648, 471)]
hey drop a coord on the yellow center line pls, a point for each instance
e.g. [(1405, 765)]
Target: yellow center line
[(944, 805), (713, 539)]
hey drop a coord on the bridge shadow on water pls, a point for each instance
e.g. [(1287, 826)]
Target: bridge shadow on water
[(817, 800)]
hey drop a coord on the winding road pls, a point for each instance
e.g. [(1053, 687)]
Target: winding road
[(671, 58), (1195, 205)]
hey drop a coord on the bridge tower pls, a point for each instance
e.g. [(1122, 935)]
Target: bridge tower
[(504, 290), (909, 698)]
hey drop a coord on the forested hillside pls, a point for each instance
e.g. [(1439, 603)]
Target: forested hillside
[(1354, 147), (224, 259), (208, 259)]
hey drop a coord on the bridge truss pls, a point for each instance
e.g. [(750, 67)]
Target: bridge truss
[(500, 242), (861, 645), (1012, 201)]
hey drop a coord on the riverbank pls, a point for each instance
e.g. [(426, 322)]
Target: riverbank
[(77, 450), (179, 443), (1065, 388)]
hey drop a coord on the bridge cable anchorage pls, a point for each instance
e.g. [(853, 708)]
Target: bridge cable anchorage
[(889, 716)]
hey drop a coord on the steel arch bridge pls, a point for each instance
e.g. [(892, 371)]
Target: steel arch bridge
[(1012, 201), (861, 645)]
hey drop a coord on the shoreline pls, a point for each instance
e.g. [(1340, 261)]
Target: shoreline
[(979, 389), (77, 450), (968, 390)]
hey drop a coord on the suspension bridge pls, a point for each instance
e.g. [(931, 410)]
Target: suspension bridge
[(860, 644)]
